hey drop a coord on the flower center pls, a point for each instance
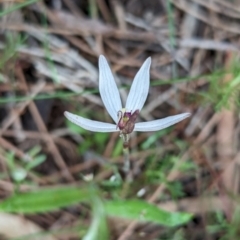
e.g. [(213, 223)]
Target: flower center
[(126, 121)]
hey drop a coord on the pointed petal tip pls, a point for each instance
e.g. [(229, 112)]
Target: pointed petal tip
[(69, 116), (102, 58), (66, 114), (183, 116), (187, 114), (160, 124), (139, 90), (148, 62), (149, 59), (91, 125)]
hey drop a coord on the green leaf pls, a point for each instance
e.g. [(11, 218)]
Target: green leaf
[(118, 148), (145, 212), (36, 161), (46, 200), (154, 137), (84, 146), (10, 157), (101, 138), (34, 151), (111, 184), (75, 128), (17, 6), (98, 229)]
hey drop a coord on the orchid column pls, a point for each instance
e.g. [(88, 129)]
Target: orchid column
[(124, 118)]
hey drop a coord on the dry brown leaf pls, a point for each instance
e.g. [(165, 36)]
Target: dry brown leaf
[(12, 226)]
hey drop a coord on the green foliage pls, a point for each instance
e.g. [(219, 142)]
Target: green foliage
[(17, 6), (93, 9), (157, 172), (67, 95), (51, 199), (19, 169), (151, 140), (35, 158), (222, 91), (9, 52), (178, 235), (169, 234), (175, 189), (98, 229), (44, 200), (183, 166), (96, 141), (145, 212), (75, 128), (118, 148), (227, 230), (114, 182)]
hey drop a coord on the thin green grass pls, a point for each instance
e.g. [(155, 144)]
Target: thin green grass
[(46, 47), (68, 95), (172, 34), (17, 7)]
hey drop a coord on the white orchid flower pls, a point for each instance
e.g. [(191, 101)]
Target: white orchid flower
[(124, 118)]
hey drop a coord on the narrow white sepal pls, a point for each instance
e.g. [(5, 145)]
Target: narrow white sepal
[(159, 124), (108, 89), (140, 87), (94, 126)]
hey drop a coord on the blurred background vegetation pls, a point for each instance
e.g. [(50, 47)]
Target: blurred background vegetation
[(72, 178)]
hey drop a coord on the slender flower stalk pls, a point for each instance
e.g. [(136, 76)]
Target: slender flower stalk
[(126, 153), (124, 118)]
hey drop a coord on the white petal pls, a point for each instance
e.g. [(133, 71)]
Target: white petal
[(160, 124), (90, 125), (108, 89), (139, 89)]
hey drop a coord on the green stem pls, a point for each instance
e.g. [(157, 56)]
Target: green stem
[(126, 166), (172, 32)]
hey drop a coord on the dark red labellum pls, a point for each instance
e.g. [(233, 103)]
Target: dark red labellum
[(127, 121)]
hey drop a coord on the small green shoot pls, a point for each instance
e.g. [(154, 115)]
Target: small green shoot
[(227, 230), (19, 169), (222, 91), (17, 7), (151, 140)]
